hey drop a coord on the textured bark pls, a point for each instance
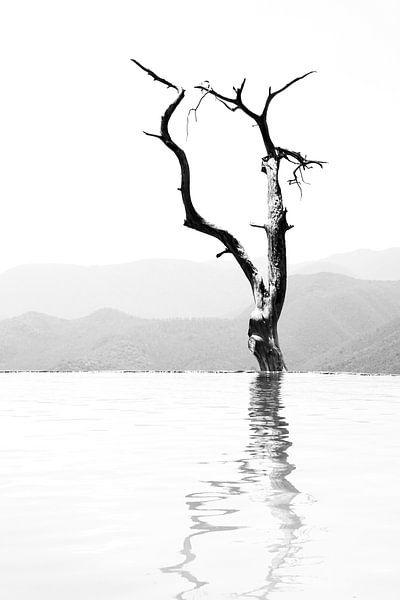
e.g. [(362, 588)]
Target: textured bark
[(263, 325), (268, 296)]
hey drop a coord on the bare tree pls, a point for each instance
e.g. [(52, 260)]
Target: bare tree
[(268, 295)]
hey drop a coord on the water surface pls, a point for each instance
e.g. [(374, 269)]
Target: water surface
[(184, 486)]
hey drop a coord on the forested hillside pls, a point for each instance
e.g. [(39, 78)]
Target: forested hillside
[(330, 322)]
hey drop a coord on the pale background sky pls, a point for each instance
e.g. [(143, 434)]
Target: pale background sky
[(81, 184)]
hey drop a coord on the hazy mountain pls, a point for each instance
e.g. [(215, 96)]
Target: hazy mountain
[(146, 288), (324, 311), (364, 264), (320, 266), (377, 351), (109, 339), (329, 322), (161, 288)]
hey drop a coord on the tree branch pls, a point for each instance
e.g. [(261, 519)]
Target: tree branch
[(154, 76), (259, 226), (237, 101), (223, 252), (194, 111), (271, 94), (192, 218), (155, 135), (301, 164)]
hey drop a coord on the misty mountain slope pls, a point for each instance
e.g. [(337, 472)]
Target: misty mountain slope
[(36, 341), (158, 344), (324, 311), (320, 266), (363, 264), (110, 339), (29, 341), (377, 351), (324, 315), (161, 288), (165, 343), (106, 354)]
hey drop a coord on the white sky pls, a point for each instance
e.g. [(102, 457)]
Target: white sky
[(81, 184)]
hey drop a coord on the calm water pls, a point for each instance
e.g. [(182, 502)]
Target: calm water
[(191, 486)]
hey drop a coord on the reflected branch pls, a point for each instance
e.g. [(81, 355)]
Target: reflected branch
[(197, 505)]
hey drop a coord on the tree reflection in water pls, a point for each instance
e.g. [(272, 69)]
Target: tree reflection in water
[(262, 470)]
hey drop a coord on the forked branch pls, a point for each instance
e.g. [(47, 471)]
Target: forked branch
[(272, 95), (233, 103), (261, 121)]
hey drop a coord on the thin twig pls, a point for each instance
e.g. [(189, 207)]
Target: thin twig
[(194, 110)]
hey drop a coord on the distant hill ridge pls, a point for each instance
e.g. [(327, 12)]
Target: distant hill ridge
[(162, 288), (330, 322), (362, 264)]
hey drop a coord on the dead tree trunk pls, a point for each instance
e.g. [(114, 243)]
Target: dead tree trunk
[(263, 325), (268, 296)]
